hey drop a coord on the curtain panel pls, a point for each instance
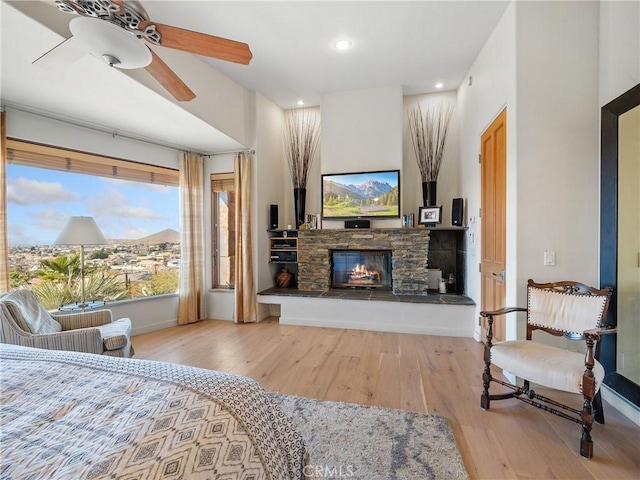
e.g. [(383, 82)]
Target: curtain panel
[(192, 288), (245, 292), (4, 242)]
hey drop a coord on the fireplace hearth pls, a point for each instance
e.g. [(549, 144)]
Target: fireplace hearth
[(363, 269)]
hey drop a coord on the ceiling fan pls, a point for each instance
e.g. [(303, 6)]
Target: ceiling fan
[(113, 30)]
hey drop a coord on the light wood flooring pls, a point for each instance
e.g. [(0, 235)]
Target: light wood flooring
[(418, 373)]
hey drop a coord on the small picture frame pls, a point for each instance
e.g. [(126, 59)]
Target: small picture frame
[(430, 215)]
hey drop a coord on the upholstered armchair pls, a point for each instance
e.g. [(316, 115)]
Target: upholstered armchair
[(24, 321), (562, 308)]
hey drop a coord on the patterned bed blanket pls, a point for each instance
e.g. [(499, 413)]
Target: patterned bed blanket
[(66, 415)]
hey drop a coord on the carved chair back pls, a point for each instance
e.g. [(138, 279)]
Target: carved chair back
[(566, 308)]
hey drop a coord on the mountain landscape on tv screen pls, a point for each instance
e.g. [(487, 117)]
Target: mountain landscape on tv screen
[(368, 189), (369, 198)]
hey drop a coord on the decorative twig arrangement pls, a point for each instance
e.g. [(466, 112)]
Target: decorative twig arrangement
[(428, 135), (301, 141)]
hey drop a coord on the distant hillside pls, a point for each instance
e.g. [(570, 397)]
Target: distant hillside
[(334, 189), (368, 190), (165, 236)]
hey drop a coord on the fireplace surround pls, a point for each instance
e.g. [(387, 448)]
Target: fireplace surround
[(409, 249)]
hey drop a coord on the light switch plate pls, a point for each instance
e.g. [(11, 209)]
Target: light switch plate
[(549, 259)]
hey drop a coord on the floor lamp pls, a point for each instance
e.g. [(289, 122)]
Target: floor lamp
[(81, 231)]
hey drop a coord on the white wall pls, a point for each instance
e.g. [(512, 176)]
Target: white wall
[(362, 130), (541, 63), (270, 177), (448, 186), (619, 48), (557, 153), (219, 102), (492, 88), (37, 128), (147, 314)]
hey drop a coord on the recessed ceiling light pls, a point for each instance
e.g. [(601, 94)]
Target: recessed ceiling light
[(342, 44), (300, 103), (439, 85)]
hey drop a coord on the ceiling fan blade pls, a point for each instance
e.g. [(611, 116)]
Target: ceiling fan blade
[(168, 79), (201, 43), (62, 55)]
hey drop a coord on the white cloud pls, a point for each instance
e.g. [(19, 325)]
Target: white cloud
[(50, 219), (24, 191), (115, 204)]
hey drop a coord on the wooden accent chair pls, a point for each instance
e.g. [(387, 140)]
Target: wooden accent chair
[(556, 308), (24, 321)]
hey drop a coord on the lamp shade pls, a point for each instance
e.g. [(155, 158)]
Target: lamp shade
[(80, 231)]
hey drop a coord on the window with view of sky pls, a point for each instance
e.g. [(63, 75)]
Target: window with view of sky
[(39, 202), (140, 221)]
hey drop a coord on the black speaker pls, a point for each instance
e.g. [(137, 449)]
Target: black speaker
[(457, 210), (357, 223), (273, 217)]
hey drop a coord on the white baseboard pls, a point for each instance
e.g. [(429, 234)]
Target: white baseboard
[(150, 327), (621, 404)]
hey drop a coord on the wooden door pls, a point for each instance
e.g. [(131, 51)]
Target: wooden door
[(493, 168)]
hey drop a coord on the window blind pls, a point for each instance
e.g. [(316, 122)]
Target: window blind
[(38, 155), (222, 182)]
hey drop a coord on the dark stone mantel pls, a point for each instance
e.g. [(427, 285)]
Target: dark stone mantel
[(371, 295)]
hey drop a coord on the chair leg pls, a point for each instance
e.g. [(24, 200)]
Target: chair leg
[(597, 407), (586, 444), (485, 400)]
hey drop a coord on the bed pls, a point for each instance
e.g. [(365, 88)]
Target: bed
[(75, 415)]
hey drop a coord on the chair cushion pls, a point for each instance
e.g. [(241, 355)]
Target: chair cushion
[(543, 364), (29, 314), (116, 335)]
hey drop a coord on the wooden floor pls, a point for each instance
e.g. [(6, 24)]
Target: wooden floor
[(418, 373)]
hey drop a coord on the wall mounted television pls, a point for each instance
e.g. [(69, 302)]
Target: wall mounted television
[(373, 194)]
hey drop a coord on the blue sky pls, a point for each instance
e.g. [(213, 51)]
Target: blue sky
[(40, 201), (358, 178)]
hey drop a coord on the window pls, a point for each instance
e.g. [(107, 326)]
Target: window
[(135, 205), (223, 208)]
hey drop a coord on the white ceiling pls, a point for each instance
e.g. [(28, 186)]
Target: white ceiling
[(414, 44)]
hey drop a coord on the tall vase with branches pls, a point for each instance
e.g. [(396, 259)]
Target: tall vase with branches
[(301, 141), (429, 134)]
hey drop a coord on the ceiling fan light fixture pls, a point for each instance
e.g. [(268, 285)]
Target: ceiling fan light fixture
[(110, 42), (111, 61)]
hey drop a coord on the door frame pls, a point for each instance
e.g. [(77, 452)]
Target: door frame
[(609, 234), (500, 329)]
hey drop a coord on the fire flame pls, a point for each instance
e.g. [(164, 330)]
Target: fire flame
[(361, 272)]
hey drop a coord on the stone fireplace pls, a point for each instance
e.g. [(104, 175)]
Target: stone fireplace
[(407, 247), (363, 269)]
